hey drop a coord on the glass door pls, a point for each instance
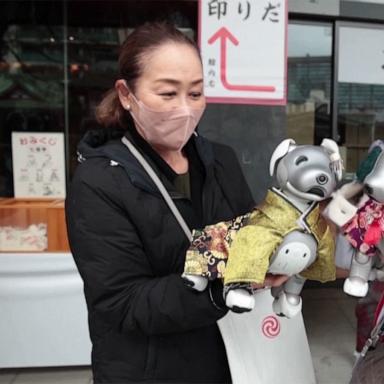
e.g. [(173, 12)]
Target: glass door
[(309, 81)]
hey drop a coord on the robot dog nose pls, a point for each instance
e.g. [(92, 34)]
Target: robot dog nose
[(322, 179)]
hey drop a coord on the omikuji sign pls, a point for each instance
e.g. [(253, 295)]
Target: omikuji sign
[(243, 46), (38, 164)]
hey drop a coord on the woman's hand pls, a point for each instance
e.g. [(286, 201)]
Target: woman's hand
[(271, 281)]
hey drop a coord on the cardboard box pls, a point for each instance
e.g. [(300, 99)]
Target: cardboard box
[(33, 225)]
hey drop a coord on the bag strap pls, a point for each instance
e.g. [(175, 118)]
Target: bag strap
[(377, 331), (140, 158)]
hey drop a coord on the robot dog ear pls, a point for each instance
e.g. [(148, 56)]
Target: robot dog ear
[(281, 150), (334, 154)]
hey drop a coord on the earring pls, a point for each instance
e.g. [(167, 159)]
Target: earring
[(127, 107)]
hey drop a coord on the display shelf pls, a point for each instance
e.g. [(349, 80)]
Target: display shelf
[(32, 225)]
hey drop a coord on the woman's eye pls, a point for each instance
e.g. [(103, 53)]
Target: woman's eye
[(168, 94), (196, 95)]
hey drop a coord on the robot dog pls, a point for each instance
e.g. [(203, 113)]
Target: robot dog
[(285, 234), (362, 225)]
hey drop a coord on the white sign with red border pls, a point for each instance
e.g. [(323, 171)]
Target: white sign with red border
[(244, 49)]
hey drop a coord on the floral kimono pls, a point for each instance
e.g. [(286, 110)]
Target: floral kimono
[(366, 229)]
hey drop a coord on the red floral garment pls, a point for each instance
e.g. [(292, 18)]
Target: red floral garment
[(366, 229)]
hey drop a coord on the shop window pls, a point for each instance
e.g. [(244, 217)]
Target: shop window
[(360, 89), (309, 81), (32, 100), (58, 58), (31, 76)]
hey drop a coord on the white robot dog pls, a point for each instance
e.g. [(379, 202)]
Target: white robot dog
[(362, 225), (285, 234)]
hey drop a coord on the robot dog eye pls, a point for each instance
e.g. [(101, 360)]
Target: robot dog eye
[(301, 159), (322, 179)]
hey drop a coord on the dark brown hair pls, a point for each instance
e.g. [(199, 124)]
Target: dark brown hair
[(138, 44)]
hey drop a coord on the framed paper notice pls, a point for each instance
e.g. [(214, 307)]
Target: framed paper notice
[(38, 164)]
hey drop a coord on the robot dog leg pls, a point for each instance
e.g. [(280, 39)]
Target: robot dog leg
[(194, 281), (357, 282), (287, 301)]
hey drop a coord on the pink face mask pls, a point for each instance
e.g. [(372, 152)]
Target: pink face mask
[(167, 129)]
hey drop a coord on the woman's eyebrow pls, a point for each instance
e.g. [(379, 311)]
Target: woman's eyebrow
[(176, 82), (169, 81), (197, 81)]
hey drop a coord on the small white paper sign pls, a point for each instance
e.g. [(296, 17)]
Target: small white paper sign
[(38, 164), (364, 47)]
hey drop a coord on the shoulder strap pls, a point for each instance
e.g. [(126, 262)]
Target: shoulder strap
[(159, 185), (377, 331)]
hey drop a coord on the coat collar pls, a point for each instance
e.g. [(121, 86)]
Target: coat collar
[(277, 205), (106, 142)]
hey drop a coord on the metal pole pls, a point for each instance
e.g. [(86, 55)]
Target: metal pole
[(66, 100)]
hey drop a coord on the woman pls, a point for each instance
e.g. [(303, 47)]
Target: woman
[(145, 324)]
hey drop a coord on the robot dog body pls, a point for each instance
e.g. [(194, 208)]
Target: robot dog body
[(363, 225), (285, 234)]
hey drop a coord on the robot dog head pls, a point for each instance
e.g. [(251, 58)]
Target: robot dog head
[(307, 171), (371, 172)]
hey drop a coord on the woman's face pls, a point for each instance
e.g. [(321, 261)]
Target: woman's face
[(172, 77)]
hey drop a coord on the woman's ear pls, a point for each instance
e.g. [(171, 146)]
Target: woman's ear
[(123, 93)]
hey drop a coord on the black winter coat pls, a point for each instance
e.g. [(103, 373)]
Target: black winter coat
[(145, 324)]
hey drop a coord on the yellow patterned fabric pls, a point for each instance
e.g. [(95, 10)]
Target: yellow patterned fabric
[(239, 250)]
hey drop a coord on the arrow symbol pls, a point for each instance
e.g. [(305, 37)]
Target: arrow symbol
[(223, 34)]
